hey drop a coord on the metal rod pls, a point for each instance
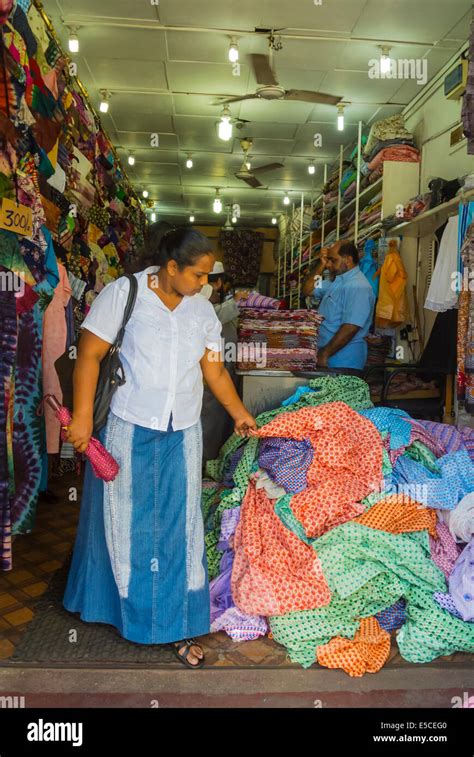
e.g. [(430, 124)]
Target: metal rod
[(359, 159), (341, 156), (301, 246), (323, 224)]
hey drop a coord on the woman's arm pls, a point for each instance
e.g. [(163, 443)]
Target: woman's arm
[(223, 389), (91, 351)]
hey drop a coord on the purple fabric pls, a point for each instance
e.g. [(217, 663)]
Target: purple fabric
[(448, 437), (234, 460), (229, 521), (240, 627), (461, 582), (286, 462), (444, 550), (447, 603), (220, 589), (393, 617)]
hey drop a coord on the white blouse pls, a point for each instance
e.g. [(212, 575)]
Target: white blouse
[(160, 352)]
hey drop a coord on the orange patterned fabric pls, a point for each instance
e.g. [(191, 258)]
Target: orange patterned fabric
[(367, 652), (346, 467), (274, 572), (399, 514)]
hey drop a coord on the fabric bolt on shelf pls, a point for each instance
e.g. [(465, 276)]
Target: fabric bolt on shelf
[(367, 652), (397, 153), (461, 582), (385, 129), (442, 491), (273, 572), (399, 514), (393, 617), (346, 466), (444, 550)]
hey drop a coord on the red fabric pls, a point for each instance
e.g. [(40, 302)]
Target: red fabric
[(274, 572), (346, 467), (399, 153)]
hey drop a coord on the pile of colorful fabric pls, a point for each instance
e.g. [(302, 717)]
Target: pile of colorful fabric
[(342, 527), (284, 340), (388, 140), (56, 161)]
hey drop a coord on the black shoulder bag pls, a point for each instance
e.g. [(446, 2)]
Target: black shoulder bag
[(111, 374)]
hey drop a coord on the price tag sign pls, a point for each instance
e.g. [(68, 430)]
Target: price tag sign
[(16, 218)]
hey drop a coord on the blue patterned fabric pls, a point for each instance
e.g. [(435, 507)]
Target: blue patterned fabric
[(393, 421), (443, 491), (393, 617), (297, 395), (286, 462)]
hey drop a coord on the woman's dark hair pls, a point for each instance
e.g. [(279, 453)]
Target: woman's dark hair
[(184, 245)]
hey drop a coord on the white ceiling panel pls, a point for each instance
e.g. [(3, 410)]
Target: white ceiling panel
[(164, 80)]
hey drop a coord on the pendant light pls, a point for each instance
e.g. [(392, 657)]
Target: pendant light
[(145, 193), (191, 219), (225, 125), (131, 159), (274, 221), (340, 117), (385, 62), (189, 162), (234, 219), (104, 103), (153, 217), (73, 42), (233, 51), (311, 169), (286, 199), (217, 205)]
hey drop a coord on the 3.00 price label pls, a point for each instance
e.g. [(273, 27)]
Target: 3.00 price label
[(16, 218)]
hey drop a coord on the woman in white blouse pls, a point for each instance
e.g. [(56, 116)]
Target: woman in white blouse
[(139, 560)]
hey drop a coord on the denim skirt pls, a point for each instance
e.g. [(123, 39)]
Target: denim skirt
[(139, 560)]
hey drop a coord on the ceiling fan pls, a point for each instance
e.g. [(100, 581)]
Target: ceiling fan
[(247, 175), (271, 90)]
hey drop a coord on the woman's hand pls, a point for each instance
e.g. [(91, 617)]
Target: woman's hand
[(79, 432), (244, 424)]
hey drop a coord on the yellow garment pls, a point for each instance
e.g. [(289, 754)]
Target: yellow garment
[(392, 304)]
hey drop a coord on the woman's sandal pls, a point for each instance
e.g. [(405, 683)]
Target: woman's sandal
[(188, 643)]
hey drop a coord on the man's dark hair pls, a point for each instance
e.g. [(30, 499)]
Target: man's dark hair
[(215, 277), (349, 250)]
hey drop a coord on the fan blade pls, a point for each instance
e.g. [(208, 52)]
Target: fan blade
[(307, 96), (262, 69), (268, 167), (235, 99), (252, 181)]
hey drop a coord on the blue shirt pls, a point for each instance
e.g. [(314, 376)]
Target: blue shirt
[(347, 299)]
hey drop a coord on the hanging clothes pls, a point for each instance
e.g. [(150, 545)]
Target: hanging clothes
[(392, 305), (443, 293)]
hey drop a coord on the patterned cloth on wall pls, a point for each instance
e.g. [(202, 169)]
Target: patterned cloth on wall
[(467, 113), (242, 255)]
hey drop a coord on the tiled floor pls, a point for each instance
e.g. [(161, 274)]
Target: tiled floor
[(36, 556)]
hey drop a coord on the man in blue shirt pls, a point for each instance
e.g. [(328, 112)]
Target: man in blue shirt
[(347, 304)]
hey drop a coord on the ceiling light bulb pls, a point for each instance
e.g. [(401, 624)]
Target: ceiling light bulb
[(234, 219), (385, 62), (104, 106), (225, 126), (286, 200), (311, 168), (248, 164), (73, 42), (189, 163), (274, 220), (153, 217), (145, 194), (217, 205), (131, 160), (340, 117), (233, 52), (191, 219)]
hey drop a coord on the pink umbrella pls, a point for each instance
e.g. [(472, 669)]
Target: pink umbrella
[(103, 464)]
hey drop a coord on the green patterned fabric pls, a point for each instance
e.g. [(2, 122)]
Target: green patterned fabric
[(367, 571), (430, 631), (417, 451)]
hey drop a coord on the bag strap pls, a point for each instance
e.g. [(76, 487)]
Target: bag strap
[(132, 296)]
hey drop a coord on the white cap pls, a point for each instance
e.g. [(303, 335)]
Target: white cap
[(207, 291), (218, 268)]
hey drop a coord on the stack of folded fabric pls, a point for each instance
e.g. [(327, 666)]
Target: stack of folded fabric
[(283, 340), (388, 140), (344, 528)]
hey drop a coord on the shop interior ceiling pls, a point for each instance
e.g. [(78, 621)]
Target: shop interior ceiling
[(165, 64)]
